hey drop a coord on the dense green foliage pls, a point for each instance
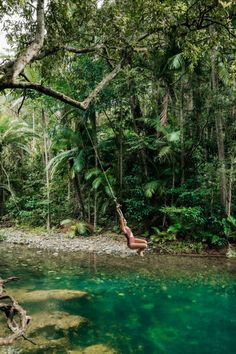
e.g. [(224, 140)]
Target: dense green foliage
[(164, 128)]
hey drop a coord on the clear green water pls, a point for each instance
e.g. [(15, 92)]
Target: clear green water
[(156, 305)]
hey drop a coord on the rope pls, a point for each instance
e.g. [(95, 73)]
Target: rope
[(105, 175)]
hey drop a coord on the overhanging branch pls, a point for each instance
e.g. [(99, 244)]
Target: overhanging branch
[(75, 50), (42, 89), (59, 95), (100, 86)]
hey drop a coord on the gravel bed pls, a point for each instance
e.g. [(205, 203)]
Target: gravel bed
[(60, 242)]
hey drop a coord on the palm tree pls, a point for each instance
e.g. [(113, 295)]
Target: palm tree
[(14, 134), (71, 152)]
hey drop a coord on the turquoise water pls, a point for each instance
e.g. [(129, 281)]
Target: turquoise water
[(157, 305)]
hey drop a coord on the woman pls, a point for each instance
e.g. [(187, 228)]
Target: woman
[(132, 242)]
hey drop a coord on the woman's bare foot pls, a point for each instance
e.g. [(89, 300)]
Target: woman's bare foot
[(140, 252)]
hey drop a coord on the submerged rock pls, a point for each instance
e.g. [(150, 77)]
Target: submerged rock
[(44, 295), (94, 349), (44, 329), (59, 320), (98, 348), (52, 346)]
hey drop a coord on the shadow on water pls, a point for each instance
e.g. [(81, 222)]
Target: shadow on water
[(152, 305)]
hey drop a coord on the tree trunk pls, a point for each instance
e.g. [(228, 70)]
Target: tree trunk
[(230, 187), (89, 208), (181, 123), (219, 134), (46, 159), (2, 202), (79, 197), (196, 103), (137, 114), (78, 194), (173, 182), (93, 119), (34, 138), (221, 157)]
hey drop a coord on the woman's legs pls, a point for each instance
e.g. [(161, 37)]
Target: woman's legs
[(141, 245), (139, 240)]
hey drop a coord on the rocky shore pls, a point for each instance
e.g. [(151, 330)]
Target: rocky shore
[(108, 243)]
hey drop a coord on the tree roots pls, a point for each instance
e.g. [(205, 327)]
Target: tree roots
[(17, 319)]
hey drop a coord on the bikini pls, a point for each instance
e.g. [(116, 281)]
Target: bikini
[(129, 235)]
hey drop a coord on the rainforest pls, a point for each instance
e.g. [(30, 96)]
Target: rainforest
[(118, 116)]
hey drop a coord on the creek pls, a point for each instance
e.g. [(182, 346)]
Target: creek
[(158, 304)]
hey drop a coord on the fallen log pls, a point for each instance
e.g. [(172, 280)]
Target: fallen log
[(16, 317)]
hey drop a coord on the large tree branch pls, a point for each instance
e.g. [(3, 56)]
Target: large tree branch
[(100, 86), (59, 95), (33, 49), (42, 89), (224, 25), (8, 66), (75, 50), (83, 50)]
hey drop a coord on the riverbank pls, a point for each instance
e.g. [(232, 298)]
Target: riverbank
[(108, 243)]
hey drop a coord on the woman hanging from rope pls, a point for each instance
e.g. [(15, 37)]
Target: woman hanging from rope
[(132, 242)]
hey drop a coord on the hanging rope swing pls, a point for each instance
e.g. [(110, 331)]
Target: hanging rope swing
[(132, 242)]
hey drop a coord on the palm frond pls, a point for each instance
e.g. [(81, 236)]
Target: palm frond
[(92, 172), (173, 136), (79, 162), (6, 188), (14, 130), (164, 152), (23, 147), (151, 187), (97, 182), (223, 73), (176, 62), (55, 162)]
